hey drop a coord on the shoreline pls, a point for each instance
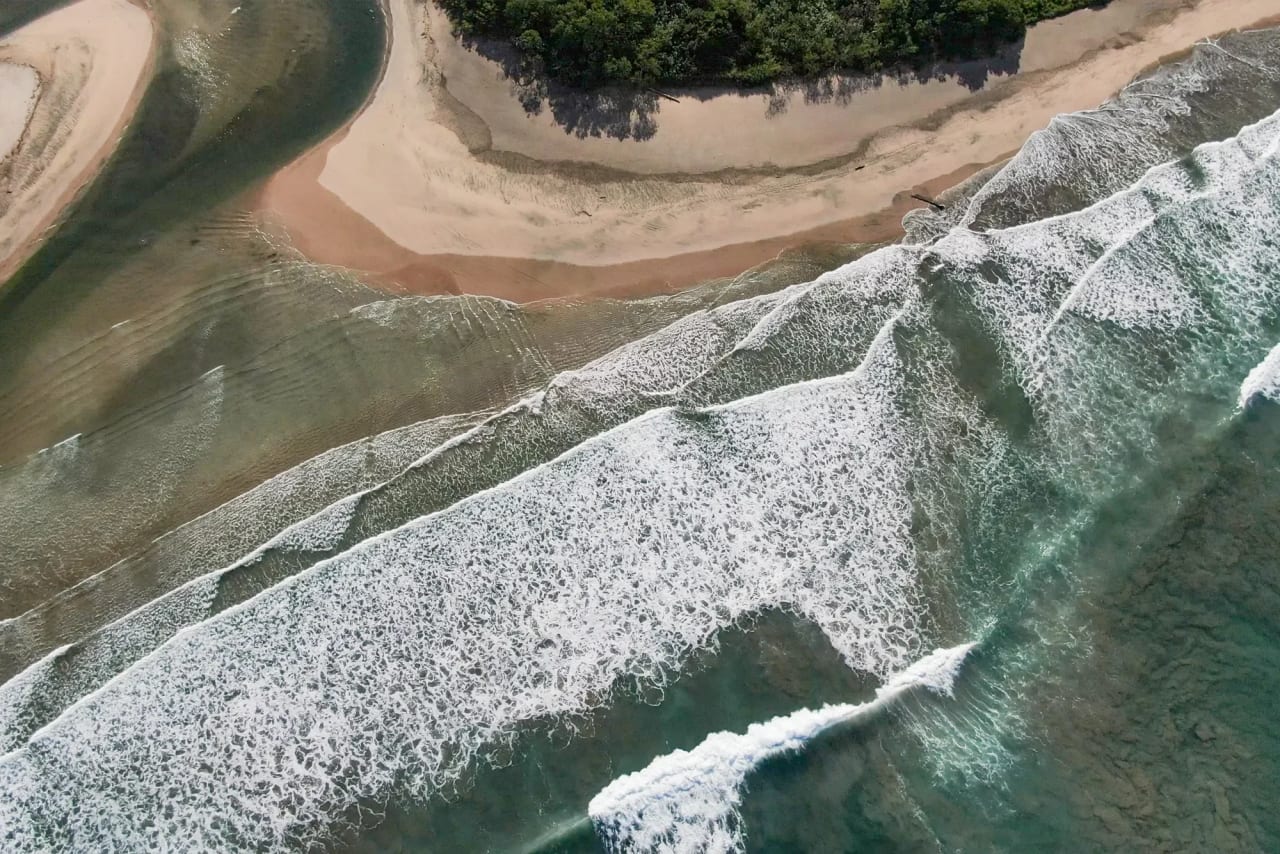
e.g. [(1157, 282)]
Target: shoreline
[(95, 60), (443, 184)]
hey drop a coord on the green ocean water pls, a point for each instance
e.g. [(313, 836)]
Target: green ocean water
[(1045, 425)]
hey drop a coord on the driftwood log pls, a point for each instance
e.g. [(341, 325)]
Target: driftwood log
[(929, 201)]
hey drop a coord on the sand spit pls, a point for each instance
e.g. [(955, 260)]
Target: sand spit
[(92, 60), (444, 183)]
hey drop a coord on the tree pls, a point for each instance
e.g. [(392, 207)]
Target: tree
[(596, 42)]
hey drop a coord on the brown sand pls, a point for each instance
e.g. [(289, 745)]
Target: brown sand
[(93, 59), (444, 184)]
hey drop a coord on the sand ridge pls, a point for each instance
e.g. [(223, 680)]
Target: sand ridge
[(444, 184), (93, 59)]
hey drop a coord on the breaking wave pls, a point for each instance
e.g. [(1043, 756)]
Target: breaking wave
[(1263, 381), (688, 800)]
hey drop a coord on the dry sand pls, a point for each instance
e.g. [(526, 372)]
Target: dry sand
[(19, 85), (93, 59), (443, 183)]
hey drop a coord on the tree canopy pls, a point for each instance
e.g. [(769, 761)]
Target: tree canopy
[(648, 42)]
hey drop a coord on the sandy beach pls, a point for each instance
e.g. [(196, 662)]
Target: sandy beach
[(445, 183), (91, 61)]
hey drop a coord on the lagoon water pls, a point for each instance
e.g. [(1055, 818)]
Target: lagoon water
[(291, 563)]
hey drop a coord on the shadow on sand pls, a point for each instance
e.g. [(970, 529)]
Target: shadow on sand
[(632, 113)]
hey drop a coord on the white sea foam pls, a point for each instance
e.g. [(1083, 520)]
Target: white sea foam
[(687, 801), (878, 277), (1263, 380), (688, 347), (321, 531), (606, 388), (65, 450)]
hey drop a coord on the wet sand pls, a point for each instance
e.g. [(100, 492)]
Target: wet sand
[(93, 59), (443, 183)]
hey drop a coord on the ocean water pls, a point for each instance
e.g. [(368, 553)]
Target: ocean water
[(966, 543)]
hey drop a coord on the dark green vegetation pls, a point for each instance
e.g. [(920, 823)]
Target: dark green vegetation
[(594, 42)]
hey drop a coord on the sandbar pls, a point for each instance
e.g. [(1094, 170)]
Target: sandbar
[(92, 60), (444, 182)]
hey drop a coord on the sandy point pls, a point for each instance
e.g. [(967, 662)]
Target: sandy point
[(447, 182), (90, 62)]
